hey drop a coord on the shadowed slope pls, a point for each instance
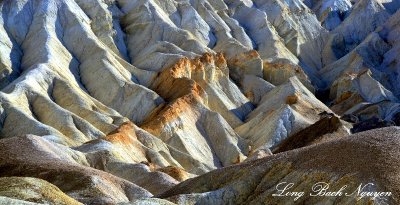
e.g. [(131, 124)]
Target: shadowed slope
[(368, 157)]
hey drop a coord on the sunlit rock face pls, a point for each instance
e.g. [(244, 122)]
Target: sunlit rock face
[(118, 101)]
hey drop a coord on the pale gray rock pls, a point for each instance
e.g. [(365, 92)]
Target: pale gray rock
[(11, 201), (67, 65), (141, 175), (390, 63), (104, 16), (258, 154), (368, 54), (283, 111), (148, 21), (261, 31), (156, 92), (364, 18), (302, 33), (330, 13), (149, 201), (254, 88)]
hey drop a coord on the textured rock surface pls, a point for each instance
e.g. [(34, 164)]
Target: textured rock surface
[(282, 112), (35, 157), (199, 90), (33, 190), (312, 134), (338, 163), (115, 101)]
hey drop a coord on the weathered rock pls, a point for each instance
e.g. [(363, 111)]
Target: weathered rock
[(258, 154), (197, 76), (198, 90), (302, 34), (278, 74), (11, 201), (365, 17), (309, 135), (134, 155), (365, 56), (282, 112), (330, 13), (177, 173), (32, 156), (347, 103), (245, 64), (256, 181), (254, 88), (149, 201), (372, 123), (350, 118), (67, 84), (33, 190), (390, 63), (384, 110)]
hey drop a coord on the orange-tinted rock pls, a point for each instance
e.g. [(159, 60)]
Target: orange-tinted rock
[(175, 172), (199, 91), (123, 134), (346, 95), (159, 119), (247, 63), (292, 99), (345, 105)]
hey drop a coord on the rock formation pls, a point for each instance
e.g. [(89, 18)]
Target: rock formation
[(339, 163), (125, 101)]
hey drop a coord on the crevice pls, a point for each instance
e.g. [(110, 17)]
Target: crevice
[(77, 124), (74, 66), (217, 161), (32, 110), (16, 50), (323, 95)]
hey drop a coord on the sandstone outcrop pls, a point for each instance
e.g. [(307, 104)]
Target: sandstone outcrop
[(205, 105)]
